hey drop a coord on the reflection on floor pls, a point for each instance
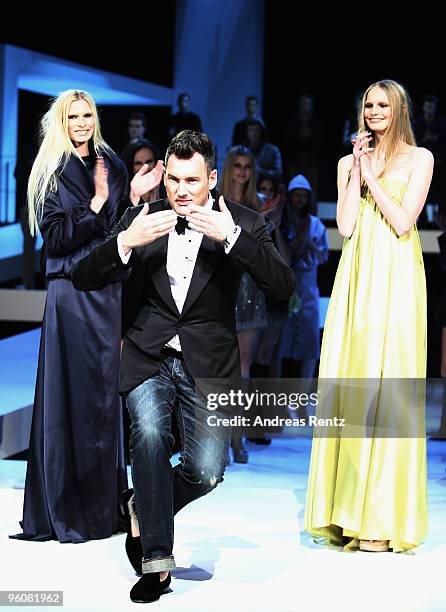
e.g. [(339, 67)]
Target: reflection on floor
[(240, 548)]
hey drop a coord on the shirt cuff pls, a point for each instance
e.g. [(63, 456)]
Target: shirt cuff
[(231, 239), (124, 258)]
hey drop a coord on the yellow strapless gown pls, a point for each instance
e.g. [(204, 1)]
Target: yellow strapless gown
[(375, 487)]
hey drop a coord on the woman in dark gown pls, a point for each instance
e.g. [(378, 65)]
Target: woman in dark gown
[(75, 468)]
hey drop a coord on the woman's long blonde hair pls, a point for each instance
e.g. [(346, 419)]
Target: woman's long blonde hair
[(400, 129), (56, 147), (250, 197)]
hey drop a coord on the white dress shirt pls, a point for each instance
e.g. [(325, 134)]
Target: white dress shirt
[(182, 252)]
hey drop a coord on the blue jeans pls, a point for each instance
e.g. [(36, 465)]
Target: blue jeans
[(160, 490)]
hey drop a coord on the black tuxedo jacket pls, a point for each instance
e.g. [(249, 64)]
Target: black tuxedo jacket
[(206, 325)]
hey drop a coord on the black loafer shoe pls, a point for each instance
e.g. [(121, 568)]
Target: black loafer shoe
[(149, 588)]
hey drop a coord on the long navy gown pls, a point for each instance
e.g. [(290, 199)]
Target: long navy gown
[(76, 464)]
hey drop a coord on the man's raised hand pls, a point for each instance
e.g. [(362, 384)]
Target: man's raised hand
[(212, 223), (146, 228)]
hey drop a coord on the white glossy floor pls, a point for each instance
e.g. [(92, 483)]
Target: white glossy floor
[(240, 548)]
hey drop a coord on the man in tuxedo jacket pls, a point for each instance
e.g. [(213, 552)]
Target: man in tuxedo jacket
[(188, 253)]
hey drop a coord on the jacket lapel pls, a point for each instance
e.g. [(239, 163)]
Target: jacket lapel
[(157, 253), (77, 179), (209, 256), (160, 278)]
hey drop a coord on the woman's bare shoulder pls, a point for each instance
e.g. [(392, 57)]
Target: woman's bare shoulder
[(419, 159), (422, 154), (345, 163)]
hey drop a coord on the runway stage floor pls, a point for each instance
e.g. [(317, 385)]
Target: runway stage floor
[(240, 548)]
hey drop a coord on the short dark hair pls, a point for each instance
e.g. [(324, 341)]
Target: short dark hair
[(188, 142), (249, 98), (259, 122), (182, 95), (138, 117), (430, 98)]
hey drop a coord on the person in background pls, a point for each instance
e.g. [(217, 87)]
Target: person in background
[(430, 132), (267, 156), (238, 184), (140, 153), (267, 361), (308, 244), (184, 119), (136, 129), (440, 316), (303, 141), (239, 131), (268, 187)]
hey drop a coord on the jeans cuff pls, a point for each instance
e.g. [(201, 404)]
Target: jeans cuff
[(159, 564)]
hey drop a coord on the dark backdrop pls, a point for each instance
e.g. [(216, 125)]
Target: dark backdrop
[(137, 43), (333, 54)]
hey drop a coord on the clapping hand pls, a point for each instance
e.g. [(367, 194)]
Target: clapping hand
[(100, 185), (270, 204), (273, 209), (145, 180), (361, 153)]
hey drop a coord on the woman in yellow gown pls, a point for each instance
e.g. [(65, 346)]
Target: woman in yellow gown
[(371, 491)]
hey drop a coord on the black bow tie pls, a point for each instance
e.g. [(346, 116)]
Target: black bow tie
[(181, 225)]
